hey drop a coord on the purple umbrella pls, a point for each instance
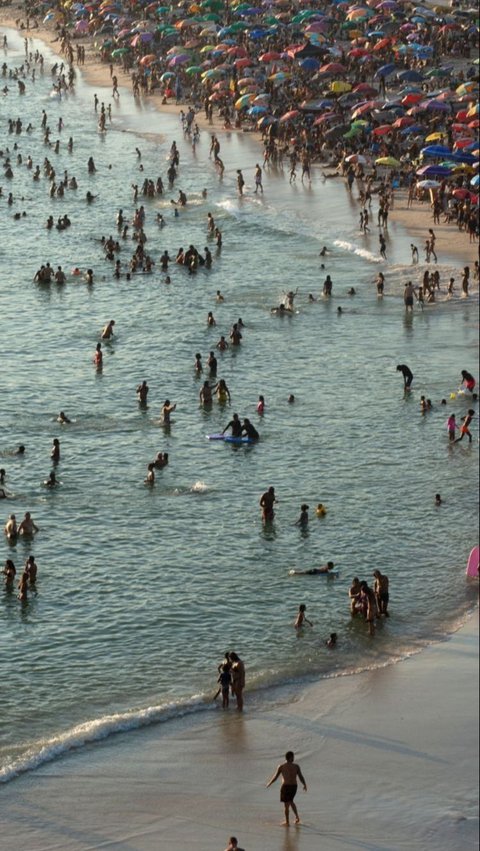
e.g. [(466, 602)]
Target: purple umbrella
[(180, 59)]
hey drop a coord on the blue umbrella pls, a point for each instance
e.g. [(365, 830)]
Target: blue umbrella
[(475, 180), (414, 128), (386, 70), (310, 64), (436, 151), (463, 158), (410, 76), (434, 171), (256, 111)]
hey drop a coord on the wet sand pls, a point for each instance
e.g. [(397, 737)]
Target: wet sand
[(390, 758)]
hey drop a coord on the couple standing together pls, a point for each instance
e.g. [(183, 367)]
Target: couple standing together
[(233, 665)]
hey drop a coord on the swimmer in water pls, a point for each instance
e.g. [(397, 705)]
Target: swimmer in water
[(438, 499), (10, 529), (261, 405), (142, 393), (27, 526), (107, 331), (303, 519), (150, 479), (314, 571), (291, 399), (332, 641), (167, 409), (52, 481), (98, 356), (63, 419), (55, 453), (301, 618)]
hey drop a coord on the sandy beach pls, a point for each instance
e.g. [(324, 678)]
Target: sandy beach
[(416, 220), (390, 755), (390, 758)]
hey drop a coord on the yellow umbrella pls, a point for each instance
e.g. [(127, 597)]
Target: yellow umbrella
[(391, 162), (339, 86), (435, 137)]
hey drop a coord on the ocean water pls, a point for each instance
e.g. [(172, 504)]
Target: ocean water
[(141, 590)]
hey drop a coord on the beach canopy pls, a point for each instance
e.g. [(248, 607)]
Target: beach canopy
[(389, 162)]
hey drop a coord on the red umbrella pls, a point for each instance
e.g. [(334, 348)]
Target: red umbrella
[(365, 89), (404, 121), (357, 52), (237, 51), (462, 115), (242, 63), (382, 44), (333, 68), (271, 56), (411, 98), (382, 130), (474, 124), (289, 116), (462, 143)]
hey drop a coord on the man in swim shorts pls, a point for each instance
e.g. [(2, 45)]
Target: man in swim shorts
[(290, 773)]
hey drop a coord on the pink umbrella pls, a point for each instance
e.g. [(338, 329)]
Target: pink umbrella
[(81, 27), (179, 59), (289, 116)]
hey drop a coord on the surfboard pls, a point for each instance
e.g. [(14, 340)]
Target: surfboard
[(301, 573), (215, 436), (229, 438), (472, 563)]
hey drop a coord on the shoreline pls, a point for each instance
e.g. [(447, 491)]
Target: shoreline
[(415, 221), (390, 759)]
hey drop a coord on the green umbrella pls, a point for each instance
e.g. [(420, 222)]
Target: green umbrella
[(194, 69), (120, 51)]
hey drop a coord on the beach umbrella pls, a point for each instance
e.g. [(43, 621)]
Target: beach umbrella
[(474, 110), (428, 184), (333, 68), (119, 51), (356, 158), (412, 98), (270, 56), (435, 137), (382, 130), (147, 60), (475, 181), (433, 171), (467, 88), (388, 162), (310, 64), (403, 121), (436, 151), (365, 89), (385, 70), (410, 76), (290, 116), (81, 27), (462, 143), (244, 101), (167, 76), (194, 69), (179, 59)]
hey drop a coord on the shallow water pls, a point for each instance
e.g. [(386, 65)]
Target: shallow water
[(141, 590)]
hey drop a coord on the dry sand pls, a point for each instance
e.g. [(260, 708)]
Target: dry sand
[(390, 757), (450, 243)]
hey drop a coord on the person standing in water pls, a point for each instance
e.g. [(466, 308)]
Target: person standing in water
[(464, 428), (267, 501), (407, 375), (290, 773)]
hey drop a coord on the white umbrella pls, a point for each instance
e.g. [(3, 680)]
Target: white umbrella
[(428, 184)]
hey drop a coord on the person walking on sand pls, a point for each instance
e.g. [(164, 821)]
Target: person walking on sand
[(290, 772)]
